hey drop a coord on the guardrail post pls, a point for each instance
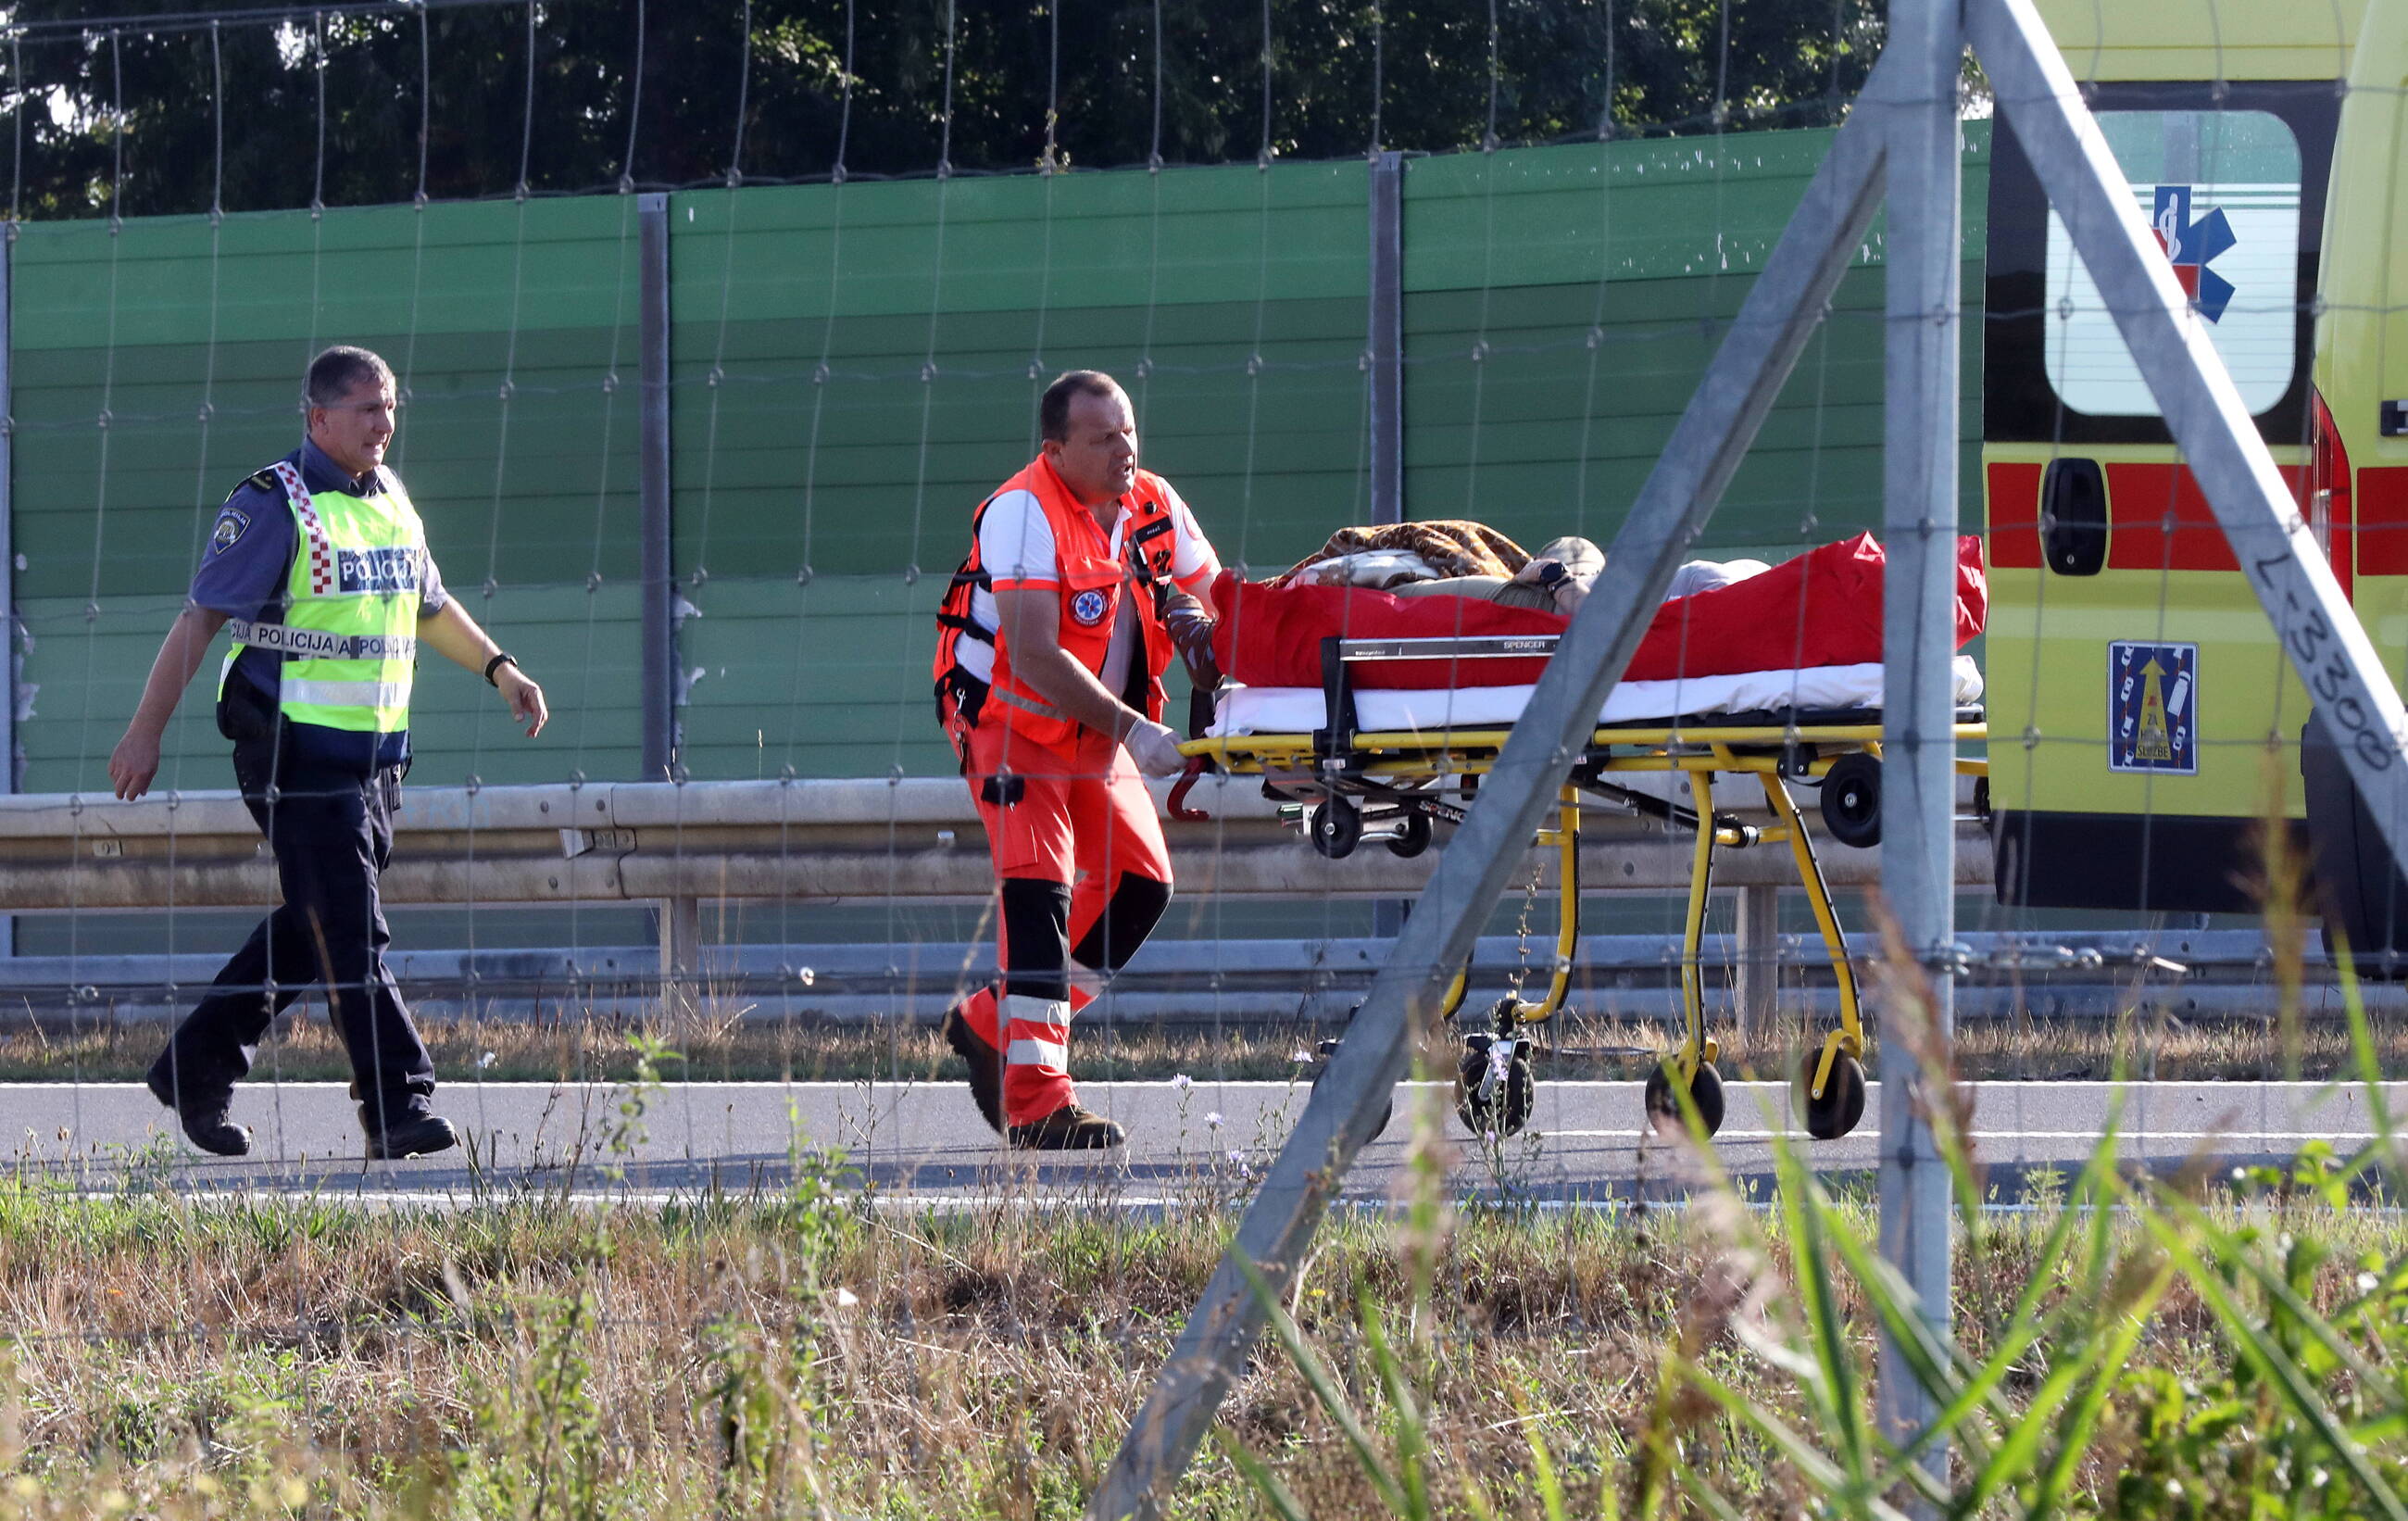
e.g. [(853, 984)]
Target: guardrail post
[(1759, 970), (681, 953)]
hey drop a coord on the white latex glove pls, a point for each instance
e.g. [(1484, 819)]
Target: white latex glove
[(1154, 747)]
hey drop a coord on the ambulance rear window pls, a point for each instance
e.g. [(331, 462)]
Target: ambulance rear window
[(2221, 189)]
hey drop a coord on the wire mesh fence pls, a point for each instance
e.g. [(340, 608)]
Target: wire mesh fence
[(697, 408)]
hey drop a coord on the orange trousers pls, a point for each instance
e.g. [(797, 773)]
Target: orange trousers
[(1085, 875)]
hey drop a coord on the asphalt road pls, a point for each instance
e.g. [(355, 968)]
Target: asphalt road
[(924, 1143)]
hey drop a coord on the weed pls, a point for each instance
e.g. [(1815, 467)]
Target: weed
[(573, 1044)]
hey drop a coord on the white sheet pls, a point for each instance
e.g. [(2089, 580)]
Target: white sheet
[(1298, 709)]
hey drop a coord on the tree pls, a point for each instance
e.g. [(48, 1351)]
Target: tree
[(136, 107)]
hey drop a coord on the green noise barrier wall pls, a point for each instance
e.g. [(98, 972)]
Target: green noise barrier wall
[(852, 368)]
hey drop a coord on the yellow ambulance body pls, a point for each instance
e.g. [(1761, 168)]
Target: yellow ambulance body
[(2140, 709), (2357, 468)]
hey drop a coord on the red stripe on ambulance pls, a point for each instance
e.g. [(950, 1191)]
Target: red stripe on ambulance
[(2383, 519), (2015, 516), (2159, 520)]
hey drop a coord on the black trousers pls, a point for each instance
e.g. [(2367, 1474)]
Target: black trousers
[(331, 829)]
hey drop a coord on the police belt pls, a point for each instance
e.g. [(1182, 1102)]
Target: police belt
[(322, 644)]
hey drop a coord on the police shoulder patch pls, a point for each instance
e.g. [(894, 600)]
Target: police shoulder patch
[(232, 522)]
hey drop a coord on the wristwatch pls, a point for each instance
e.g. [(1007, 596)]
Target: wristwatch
[(1552, 574)]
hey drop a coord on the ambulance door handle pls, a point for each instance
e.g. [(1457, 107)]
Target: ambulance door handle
[(2073, 517)]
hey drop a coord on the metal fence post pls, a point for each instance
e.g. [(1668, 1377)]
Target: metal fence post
[(1386, 353), (657, 565), (1386, 356), (11, 765), (1922, 272), (680, 918)]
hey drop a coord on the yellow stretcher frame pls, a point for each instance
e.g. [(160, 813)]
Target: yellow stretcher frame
[(1385, 764)]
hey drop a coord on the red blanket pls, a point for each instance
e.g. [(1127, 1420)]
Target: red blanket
[(1822, 608)]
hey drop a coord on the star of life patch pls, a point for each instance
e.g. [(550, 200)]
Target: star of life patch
[(233, 522), (1089, 607)]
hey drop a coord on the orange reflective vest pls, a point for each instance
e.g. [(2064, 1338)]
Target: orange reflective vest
[(1090, 580)]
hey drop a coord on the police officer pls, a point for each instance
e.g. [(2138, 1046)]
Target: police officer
[(319, 567)]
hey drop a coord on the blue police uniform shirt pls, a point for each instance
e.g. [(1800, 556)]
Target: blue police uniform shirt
[(245, 572)]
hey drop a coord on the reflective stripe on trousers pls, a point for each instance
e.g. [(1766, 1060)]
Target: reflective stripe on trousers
[(1036, 1056), (1040, 1053)]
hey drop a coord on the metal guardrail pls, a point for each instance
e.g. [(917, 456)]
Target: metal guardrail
[(2215, 974), (635, 841), (685, 844)]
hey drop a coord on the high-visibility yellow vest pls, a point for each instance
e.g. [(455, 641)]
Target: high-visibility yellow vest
[(350, 635)]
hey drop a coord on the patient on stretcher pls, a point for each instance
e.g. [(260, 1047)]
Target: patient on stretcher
[(1820, 609), (1440, 559)]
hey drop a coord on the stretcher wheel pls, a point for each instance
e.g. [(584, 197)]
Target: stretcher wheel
[(1414, 838), (1489, 1100), (1842, 1103), (1335, 825), (1329, 1049), (1705, 1090), (1852, 800)]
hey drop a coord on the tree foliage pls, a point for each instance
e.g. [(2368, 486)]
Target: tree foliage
[(137, 107)]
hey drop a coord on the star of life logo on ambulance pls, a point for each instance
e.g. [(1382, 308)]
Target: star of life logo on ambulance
[(2192, 246)]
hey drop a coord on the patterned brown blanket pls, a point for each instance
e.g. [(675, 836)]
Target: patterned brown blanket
[(1452, 546)]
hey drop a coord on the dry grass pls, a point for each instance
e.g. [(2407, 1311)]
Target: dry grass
[(578, 1045), (770, 1356)]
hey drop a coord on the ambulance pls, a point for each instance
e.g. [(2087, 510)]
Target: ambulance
[(2145, 730)]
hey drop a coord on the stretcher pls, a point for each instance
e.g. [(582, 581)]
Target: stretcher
[(1346, 784)]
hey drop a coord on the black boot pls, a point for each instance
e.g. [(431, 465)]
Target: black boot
[(202, 1114), (1069, 1128), (406, 1133), (986, 1067)]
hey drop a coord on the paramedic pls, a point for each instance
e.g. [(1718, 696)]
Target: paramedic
[(1081, 585), (319, 564)]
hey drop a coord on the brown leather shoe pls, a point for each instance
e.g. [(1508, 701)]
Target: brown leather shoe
[(986, 1067), (1069, 1128)]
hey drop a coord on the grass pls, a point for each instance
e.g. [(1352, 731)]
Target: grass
[(2204, 1345), (793, 1355), (574, 1044)]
